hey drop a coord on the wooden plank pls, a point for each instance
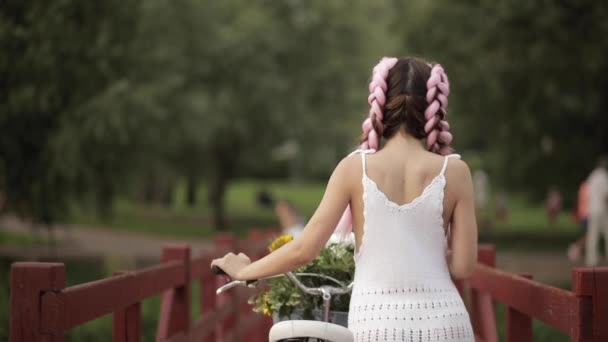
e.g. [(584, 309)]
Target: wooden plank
[(207, 295), (179, 337), (88, 301), (519, 325), (589, 285), (486, 254), (199, 266), (226, 302), (546, 303), (175, 302), (204, 327), (483, 316), (126, 323), (248, 328), (52, 315), (600, 304), (29, 281)]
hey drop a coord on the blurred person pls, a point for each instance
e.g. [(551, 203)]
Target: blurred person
[(480, 182), (291, 221), (581, 214), (481, 185), (554, 205), (289, 218), (502, 207), (413, 214), (598, 211)]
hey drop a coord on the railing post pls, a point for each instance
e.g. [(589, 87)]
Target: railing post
[(482, 313), (207, 285), (589, 285), (126, 322), (257, 248), (175, 303), (29, 282), (224, 243), (519, 325)]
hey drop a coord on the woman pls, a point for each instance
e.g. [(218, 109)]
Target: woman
[(413, 214)]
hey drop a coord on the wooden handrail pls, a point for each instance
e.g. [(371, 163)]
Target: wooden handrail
[(549, 304), (581, 313), (42, 308)]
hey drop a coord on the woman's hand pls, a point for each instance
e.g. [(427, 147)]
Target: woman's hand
[(232, 264)]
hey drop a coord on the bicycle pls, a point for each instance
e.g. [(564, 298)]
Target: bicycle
[(303, 330)]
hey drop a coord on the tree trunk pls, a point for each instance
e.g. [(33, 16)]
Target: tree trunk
[(149, 188), (224, 158), (168, 190), (191, 188), (105, 200), (217, 191)]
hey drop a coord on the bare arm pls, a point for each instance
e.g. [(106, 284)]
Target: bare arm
[(309, 244), (463, 237)]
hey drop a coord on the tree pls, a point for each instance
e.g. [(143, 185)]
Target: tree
[(251, 75), (57, 57), (528, 84), (123, 95)]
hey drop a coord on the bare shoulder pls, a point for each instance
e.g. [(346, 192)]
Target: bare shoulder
[(349, 165), (459, 166), (347, 172), (458, 173)]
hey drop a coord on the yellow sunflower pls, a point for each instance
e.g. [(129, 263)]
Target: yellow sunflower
[(266, 310), (278, 242)]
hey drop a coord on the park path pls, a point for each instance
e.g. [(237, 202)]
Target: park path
[(551, 267), (74, 241)]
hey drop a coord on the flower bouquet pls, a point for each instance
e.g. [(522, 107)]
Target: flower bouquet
[(283, 300)]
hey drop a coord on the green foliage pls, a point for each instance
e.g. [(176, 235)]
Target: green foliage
[(527, 82), (57, 56), (126, 98), (283, 297), (10, 239)]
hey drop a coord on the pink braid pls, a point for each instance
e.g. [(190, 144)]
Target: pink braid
[(437, 130), (376, 100), (437, 96)]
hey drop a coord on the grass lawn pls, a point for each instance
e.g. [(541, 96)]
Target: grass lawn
[(181, 221), (10, 239), (526, 228)]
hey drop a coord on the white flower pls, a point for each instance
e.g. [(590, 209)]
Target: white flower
[(336, 238)]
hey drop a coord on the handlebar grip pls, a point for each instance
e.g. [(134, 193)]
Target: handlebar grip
[(217, 271)]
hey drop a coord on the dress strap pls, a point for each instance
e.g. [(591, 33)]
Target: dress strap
[(363, 163), (364, 167), (445, 162)]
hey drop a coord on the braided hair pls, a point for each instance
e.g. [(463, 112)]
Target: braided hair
[(408, 94)]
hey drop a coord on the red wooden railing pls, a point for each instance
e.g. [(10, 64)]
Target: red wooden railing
[(581, 313), (42, 308)]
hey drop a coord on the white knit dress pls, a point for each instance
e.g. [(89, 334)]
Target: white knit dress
[(403, 290)]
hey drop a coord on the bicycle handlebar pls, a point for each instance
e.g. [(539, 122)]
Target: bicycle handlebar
[(323, 291)]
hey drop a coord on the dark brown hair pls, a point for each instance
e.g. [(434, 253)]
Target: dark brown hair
[(405, 100)]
